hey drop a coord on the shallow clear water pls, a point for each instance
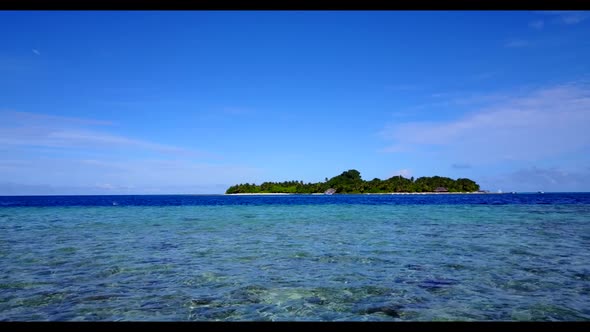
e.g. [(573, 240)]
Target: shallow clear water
[(318, 258)]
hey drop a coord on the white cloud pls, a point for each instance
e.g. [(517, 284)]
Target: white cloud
[(45, 154), (237, 111), (451, 99), (544, 123), (406, 173), (517, 43), (15, 64), (485, 76), (105, 186), (28, 118), (41, 130), (120, 176), (18, 189), (461, 165), (403, 87), (396, 148), (573, 19), (535, 179), (539, 24), (568, 16)]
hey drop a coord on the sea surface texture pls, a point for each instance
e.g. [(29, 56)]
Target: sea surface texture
[(485, 257)]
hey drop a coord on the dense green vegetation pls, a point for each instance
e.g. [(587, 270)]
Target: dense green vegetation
[(350, 182)]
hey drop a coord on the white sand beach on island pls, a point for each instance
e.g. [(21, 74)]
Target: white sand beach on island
[(422, 193)]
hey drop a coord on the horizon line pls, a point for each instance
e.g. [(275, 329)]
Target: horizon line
[(283, 194)]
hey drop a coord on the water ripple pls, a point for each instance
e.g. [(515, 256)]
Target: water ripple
[(374, 260)]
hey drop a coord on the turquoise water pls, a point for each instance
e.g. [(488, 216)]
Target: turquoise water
[(304, 261)]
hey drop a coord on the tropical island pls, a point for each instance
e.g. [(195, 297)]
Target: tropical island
[(350, 182)]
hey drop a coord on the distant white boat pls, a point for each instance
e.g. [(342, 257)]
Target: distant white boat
[(330, 191), (541, 192)]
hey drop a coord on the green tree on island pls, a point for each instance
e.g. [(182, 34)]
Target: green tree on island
[(350, 182)]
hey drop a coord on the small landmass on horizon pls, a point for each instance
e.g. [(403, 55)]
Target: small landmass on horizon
[(350, 182)]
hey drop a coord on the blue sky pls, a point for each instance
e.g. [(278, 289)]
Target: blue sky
[(150, 102)]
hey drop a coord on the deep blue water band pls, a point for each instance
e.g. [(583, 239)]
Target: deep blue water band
[(181, 200)]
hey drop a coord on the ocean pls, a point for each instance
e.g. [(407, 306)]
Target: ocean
[(435, 257)]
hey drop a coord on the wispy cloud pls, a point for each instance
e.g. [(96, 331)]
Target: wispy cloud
[(452, 100), (97, 139), (41, 130), (461, 165), (35, 51), (538, 24), (406, 173), (28, 118), (236, 111), (534, 179), (567, 16), (15, 64), (395, 148), (19, 189), (119, 176), (48, 154), (484, 76), (543, 123), (403, 87), (517, 43)]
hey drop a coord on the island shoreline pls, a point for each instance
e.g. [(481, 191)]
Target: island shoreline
[(405, 193)]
